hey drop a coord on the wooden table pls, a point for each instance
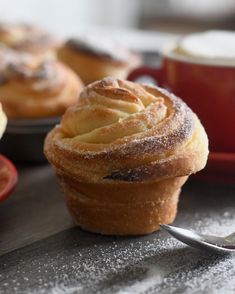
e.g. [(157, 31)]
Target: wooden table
[(42, 252)]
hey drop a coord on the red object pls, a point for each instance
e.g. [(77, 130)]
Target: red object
[(8, 177), (220, 167), (208, 89)]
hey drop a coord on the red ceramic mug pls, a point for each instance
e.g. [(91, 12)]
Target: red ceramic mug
[(209, 89)]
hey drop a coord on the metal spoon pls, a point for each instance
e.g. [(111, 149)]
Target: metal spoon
[(200, 241)]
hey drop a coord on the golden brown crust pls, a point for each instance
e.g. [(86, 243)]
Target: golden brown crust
[(32, 88), (93, 62), (147, 134), (123, 153), (122, 208), (28, 38), (110, 52)]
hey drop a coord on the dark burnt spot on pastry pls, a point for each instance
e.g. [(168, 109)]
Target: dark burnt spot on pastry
[(125, 175), (137, 174)]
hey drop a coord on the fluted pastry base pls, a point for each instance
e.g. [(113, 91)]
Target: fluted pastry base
[(122, 208)]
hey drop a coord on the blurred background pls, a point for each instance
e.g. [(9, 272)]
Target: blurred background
[(68, 17)]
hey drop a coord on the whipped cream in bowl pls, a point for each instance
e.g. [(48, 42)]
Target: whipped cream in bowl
[(210, 47)]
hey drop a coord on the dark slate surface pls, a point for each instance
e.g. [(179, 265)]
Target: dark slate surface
[(40, 251)]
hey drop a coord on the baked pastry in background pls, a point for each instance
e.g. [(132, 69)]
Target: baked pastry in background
[(3, 121), (29, 38), (33, 88), (122, 154), (95, 58)]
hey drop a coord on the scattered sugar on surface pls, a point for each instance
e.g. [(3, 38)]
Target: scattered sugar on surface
[(151, 264)]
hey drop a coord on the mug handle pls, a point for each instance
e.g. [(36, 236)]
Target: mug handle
[(155, 73)]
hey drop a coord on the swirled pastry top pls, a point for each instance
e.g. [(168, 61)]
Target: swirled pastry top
[(103, 48), (32, 88), (124, 131), (25, 37)]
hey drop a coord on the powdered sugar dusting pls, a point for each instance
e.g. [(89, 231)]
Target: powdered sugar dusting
[(79, 262), (101, 47), (142, 136)]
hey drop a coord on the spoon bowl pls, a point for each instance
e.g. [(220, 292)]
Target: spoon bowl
[(211, 243)]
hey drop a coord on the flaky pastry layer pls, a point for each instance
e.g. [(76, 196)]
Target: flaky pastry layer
[(35, 88), (28, 38), (93, 61), (120, 131)]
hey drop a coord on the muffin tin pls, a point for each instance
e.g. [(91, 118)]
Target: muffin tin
[(24, 138)]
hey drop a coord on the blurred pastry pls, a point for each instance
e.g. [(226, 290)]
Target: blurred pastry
[(95, 58), (3, 121), (29, 38), (122, 154), (33, 88)]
